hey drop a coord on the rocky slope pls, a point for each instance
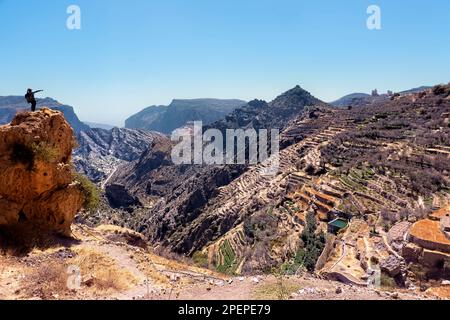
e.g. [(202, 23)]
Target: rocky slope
[(101, 151), (364, 99), (178, 195), (180, 112), (37, 184), (10, 105), (359, 100), (259, 114), (360, 164), (150, 178), (381, 169)]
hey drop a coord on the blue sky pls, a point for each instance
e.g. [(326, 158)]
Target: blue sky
[(135, 53)]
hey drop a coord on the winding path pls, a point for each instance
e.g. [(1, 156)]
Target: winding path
[(344, 252), (104, 183)]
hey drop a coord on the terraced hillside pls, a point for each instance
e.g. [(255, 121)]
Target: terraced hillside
[(361, 166), (181, 193), (378, 165)]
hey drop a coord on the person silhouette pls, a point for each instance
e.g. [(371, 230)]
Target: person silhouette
[(31, 99)]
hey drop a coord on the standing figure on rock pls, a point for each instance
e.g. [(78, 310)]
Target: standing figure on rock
[(31, 99)]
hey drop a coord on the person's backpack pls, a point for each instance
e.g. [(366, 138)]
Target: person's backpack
[(29, 98)]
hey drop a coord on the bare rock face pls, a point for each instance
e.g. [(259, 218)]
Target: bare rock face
[(36, 181), (412, 252), (392, 266)]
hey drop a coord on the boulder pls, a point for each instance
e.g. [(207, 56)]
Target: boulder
[(37, 184), (392, 266), (411, 252)]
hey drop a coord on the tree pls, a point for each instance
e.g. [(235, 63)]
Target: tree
[(313, 244)]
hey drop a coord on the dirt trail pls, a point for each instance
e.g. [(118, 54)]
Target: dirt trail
[(124, 260), (104, 183), (344, 253)]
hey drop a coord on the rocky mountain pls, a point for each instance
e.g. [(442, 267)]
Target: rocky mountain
[(10, 105), (94, 125), (37, 184), (357, 191), (143, 179), (372, 168), (101, 151), (276, 114), (349, 99), (168, 118), (178, 195)]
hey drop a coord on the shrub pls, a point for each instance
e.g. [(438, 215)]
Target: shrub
[(29, 154), (90, 191), (387, 282), (438, 90), (200, 259), (43, 152), (314, 244), (261, 226), (310, 169), (279, 289)]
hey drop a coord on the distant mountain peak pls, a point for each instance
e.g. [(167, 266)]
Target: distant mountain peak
[(295, 97)]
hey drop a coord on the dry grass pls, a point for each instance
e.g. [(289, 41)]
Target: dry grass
[(119, 234), (176, 265), (274, 290), (47, 281), (106, 274)]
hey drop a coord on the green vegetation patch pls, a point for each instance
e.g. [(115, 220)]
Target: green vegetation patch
[(200, 259), (313, 245), (90, 191), (229, 263)]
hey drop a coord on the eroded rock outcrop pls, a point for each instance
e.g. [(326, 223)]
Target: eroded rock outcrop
[(36, 180)]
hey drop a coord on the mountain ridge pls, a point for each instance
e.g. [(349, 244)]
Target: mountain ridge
[(179, 112)]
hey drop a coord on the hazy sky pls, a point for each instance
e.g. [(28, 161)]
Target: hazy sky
[(134, 53)]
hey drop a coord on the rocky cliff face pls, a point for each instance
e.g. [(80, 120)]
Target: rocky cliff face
[(36, 184), (101, 151)]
